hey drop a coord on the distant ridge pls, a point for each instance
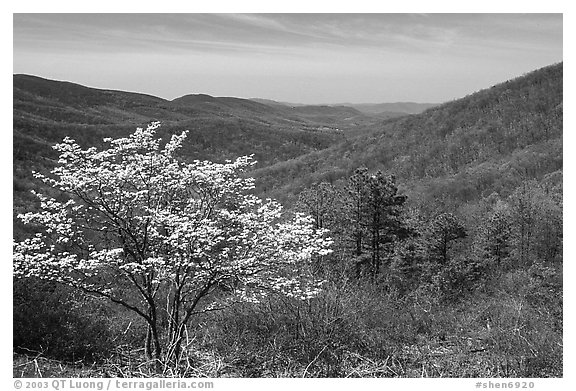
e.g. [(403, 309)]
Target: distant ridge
[(393, 109), (77, 95)]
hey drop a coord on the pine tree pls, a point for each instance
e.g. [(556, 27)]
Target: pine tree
[(376, 215)]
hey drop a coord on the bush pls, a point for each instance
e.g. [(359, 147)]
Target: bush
[(61, 323)]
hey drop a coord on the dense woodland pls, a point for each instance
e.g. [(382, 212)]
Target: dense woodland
[(446, 226)]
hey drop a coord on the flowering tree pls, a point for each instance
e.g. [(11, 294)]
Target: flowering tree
[(164, 238)]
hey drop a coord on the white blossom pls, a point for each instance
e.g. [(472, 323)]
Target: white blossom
[(135, 212)]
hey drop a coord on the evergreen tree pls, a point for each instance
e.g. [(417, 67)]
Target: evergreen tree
[(376, 215)]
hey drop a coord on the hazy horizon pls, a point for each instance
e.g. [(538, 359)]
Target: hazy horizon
[(297, 58)]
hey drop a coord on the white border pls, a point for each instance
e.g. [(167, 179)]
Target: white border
[(246, 6)]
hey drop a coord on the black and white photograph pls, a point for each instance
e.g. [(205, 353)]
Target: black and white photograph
[(200, 196)]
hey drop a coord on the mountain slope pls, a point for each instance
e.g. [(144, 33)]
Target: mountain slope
[(488, 141)]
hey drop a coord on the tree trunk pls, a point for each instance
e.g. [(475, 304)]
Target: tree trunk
[(148, 343), (157, 349)]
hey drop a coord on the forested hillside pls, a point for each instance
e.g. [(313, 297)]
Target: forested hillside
[(444, 228), (489, 141)]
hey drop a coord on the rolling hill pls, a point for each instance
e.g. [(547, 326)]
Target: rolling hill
[(221, 127)]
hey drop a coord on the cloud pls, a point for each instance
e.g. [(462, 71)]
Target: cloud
[(230, 54), (278, 32)]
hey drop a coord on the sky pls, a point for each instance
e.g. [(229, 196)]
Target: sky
[(301, 58)]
